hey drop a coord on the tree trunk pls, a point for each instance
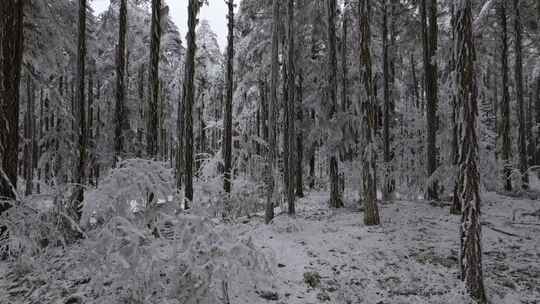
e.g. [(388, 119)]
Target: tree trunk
[(153, 79), (345, 101), (299, 137), (90, 124), (270, 170), (518, 74), (11, 48), (456, 124), (537, 118), (336, 201), (387, 186), (369, 156), (29, 131), (120, 122), (188, 96), (227, 138), (506, 156), (429, 39), (289, 133), (81, 115), (470, 229), (415, 83)]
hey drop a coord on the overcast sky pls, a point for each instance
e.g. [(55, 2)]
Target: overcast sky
[(215, 13)]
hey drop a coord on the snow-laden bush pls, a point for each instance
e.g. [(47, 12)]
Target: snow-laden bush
[(135, 185), (32, 227), (195, 261), (246, 197)]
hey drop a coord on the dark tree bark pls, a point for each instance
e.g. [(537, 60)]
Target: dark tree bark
[(121, 122), (537, 116), (344, 68), (456, 124), (29, 134), (299, 137), (336, 201), (81, 107), (90, 124), (289, 134), (152, 129), (345, 100), (506, 148), (188, 99), (387, 118), (270, 168), (368, 106), (429, 41), (470, 229), (518, 74), (11, 49), (415, 82), (227, 135)]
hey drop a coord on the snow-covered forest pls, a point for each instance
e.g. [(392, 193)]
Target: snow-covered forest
[(333, 151)]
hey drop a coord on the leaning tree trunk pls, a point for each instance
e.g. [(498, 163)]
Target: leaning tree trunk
[(368, 106), (336, 201), (120, 121), (188, 94), (11, 48), (153, 82), (81, 110), (522, 145), (469, 191), (505, 107), (227, 134), (270, 167)]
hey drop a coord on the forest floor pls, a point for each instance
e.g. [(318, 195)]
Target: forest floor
[(328, 256)]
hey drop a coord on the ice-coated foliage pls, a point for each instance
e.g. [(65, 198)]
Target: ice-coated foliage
[(194, 261), (135, 186)]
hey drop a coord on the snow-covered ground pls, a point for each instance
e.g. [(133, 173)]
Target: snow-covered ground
[(329, 256), (411, 258)]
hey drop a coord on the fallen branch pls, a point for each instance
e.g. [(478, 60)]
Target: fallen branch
[(529, 224), (491, 226)]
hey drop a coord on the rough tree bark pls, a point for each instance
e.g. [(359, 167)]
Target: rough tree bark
[(289, 111), (429, 42), (80, 178), (336, 201), (120, 122), (518, 74), (368, 106), (227, 134), (153, 82), (29, 134), (270, 167), (299, 136), (11, 48), (387, 186), (188, 96), (469, 192), (506, 147)]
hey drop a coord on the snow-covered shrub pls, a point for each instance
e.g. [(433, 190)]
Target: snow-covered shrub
[(135, 185), (31, 229), (246, 195), (195, 261)]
